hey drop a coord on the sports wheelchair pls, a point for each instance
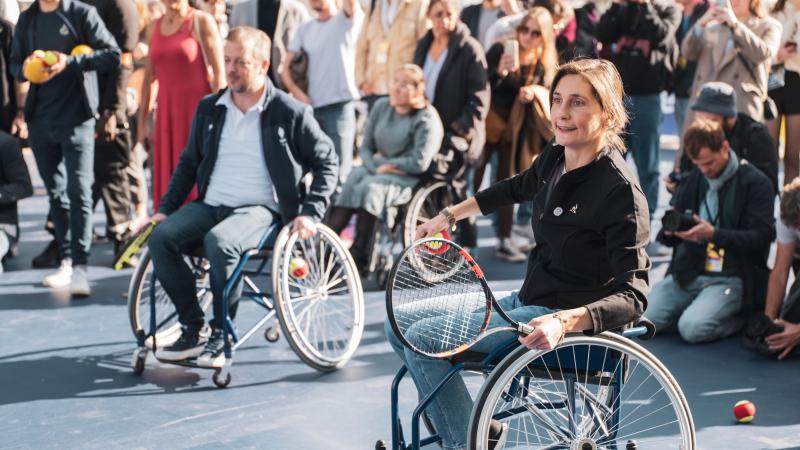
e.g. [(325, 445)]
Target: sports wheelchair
[(601, 392), (321, 314)]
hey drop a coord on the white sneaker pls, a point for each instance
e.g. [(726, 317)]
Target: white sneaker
[(508, 251), (60, 278), (522, 237), (80, 283)]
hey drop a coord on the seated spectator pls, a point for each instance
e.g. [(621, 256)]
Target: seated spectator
[(721, 243), (750, 139), (402, 135), (15, 184)]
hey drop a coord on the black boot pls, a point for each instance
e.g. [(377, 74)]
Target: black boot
[(48, 258), (366, 228)]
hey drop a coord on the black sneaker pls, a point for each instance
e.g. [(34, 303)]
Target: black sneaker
[(214, 353), (48, 258), (189, 345)]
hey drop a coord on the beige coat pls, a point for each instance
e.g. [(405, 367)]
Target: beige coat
[(790, 19), (756, 39), (379, 53)]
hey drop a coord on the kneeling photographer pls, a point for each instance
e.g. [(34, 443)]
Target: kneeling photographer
[(721, 227)]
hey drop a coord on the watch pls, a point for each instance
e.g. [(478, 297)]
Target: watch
[(451, 218)]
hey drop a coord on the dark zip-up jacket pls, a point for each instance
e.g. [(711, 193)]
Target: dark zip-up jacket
[(683, 77), (748, 229), (293, 143), (590, 234), (15, 183), (86, 26), (642, 41)]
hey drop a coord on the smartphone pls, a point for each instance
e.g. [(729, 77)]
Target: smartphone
[(512, 48)]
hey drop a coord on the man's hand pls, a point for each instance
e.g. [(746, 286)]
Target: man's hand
[(389, 168), (107, 126), (547, 332), (304, 227), (703, 231), (19, 127), (669, 184), (56, 68), (786, 340), (158, 217)]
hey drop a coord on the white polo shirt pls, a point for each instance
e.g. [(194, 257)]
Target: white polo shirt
[(240, 175)]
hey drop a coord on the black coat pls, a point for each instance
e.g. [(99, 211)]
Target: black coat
[(471, 16), (683, 77), (294, 145), (15, 183), (746, 240), (462, 89), (590, 234), (8, 97)]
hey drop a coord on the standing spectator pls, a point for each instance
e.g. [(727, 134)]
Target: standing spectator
[(280, 19), (787, 97), (329, 40), (518, 125), (12, 92), (388, 41), (481, 16), (9, 10), (218, 9), (641, 36), (712, 277), (456, 83), (183, 44), (736, 45), (60, 114), (113, 140), (15, 184), (683, 77)]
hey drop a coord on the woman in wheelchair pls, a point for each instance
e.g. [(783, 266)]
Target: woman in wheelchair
[(402, 135), (588, 272)]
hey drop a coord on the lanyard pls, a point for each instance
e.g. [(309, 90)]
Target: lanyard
[(708, 211)]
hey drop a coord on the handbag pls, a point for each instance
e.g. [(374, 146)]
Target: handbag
[(298, 70)]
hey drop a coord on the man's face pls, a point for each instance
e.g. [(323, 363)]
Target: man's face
[(242, 69), (711, 164)]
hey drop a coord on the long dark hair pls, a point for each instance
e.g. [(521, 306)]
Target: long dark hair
[(779, 5)]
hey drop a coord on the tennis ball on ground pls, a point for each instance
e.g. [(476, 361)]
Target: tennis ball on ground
[(744, 411), (298, 268), (34, 70), (81, 49)]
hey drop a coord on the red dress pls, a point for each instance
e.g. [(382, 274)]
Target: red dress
[(182, 76)]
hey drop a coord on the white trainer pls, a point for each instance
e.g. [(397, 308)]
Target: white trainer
[(80, 283), (61, 277), (522, 237)]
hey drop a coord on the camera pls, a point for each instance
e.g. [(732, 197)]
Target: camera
[(677, 221)]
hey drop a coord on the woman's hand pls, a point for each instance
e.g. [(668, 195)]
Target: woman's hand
[(786, 340), (526, 95), (506, 65), (548, 332), (389, 168), (432, 226), (709, 18)]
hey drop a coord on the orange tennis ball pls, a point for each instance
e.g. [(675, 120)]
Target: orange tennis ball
[(81, 49), (744, 411), (298, 268), (34, 70)]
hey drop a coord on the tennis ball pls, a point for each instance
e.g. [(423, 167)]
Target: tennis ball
[(50, 58), (34, 70), (81, 49), (744, 411), (298, 268)]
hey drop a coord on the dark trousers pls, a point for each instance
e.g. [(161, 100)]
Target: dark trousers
[(224, 234), (65, 158), (111, 161)]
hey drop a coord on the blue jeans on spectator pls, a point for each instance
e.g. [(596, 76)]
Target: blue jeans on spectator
[(643, 137), (65, 158), (224, 233), (704, 310), (5, 246), (681, 106), (338, 121), (451, 407)]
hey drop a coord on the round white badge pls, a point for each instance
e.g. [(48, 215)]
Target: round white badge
[(557, 212)]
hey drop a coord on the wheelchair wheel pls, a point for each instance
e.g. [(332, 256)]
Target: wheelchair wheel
[(426, 203), (166, 316), (602, 392), (320, 312)]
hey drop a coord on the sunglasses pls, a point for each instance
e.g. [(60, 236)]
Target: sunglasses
[(525, 30)]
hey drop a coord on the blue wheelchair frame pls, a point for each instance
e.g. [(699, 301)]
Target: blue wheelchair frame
[(485, 365)]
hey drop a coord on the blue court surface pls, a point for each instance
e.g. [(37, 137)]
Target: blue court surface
[(66, 381)]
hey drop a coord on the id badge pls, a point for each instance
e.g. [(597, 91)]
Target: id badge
[(383, 53), (715, 258)]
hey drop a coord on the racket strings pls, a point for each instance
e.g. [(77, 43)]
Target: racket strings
[(439, 304)]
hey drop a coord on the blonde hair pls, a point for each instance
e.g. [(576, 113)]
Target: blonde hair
[(419, 101), (547, 54), (256, 40), (607, 89)]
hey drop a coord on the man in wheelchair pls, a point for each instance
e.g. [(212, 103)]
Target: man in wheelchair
[(249, 149)]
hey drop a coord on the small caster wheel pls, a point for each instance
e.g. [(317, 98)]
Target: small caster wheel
[(138, 360), (381, 445), (220, 381), (272, 334), (631, 445)]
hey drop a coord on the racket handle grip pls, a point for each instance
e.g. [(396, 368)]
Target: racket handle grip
[(525, 329)]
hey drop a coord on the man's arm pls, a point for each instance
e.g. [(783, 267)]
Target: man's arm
[(185, 175), (319, 157), (658, 24), (778, 277), (613, 23), (105, 55), (124, 19), (349, 7), (758, 230), (15, 171)]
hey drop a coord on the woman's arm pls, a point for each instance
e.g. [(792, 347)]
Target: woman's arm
[(758, 48), (145, 97), (212, 44), (367, 150)]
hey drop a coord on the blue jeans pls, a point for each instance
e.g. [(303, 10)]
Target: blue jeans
[(65, 158), (705, 310), (681, 106), (451, 407), (338, 121), (224, 233), (643, 137)]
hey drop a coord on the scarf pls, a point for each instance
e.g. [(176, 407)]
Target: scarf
[(711, 211)]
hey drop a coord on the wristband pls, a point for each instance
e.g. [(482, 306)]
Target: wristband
[(563, 322)]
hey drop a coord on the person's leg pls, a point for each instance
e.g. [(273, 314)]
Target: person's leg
[(644, 129), (49, 161), (5, 246), (180, 233), (111, 183), (78, 148), (712, 314), (666, 303), (681, 106), (339, 123)]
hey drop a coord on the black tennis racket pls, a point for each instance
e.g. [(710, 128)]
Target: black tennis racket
[(134, 245), (438, 301)]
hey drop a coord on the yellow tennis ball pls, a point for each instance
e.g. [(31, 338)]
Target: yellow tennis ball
[(81, 49)]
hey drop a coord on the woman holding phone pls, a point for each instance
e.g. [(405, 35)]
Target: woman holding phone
[(787, 97)]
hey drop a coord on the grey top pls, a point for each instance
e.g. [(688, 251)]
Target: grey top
[(431, 69)]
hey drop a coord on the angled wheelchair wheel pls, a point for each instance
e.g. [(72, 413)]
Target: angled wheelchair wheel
[(596, 393), (426, 203), (166, 317), (321, 306)]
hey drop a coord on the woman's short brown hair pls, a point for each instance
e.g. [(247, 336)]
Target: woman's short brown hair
[(790, 203), (607, 89), (703, 133)]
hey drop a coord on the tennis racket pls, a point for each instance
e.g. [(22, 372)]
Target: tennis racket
[(438, 301), (134, 245)]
